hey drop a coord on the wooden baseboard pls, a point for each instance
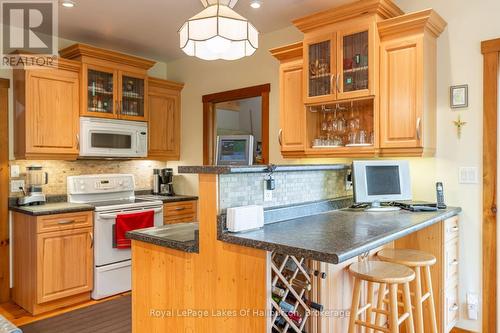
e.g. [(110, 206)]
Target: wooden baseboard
[(460, 330)]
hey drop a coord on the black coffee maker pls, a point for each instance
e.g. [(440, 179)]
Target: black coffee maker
[(163, 181)]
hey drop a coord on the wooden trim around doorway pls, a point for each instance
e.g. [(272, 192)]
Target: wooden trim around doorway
[(209, 125), (4, 192), (491, 54)]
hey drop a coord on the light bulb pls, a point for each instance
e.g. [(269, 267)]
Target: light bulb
[(68, 3), (255, 4)]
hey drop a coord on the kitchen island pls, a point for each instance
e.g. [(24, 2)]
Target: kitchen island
[(226, 286)]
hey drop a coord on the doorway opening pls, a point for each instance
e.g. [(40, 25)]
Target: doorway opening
[(242, 112)]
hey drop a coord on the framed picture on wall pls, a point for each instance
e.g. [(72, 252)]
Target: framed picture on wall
[(459, 96)]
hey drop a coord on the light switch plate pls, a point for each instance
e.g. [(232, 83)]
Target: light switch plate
[(472, 305), (467, 175), (15, 185), (14, 171)]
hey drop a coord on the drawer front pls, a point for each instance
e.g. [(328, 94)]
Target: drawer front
[(451, 260), (451, 310), (179, 219), (181, 208), (451, 228), (59, 222)]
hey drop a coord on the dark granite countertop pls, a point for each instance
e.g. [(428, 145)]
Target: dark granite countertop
[(52, 208), (180, 236), (167, 199), (227, 169), (337, 235), (57, 204)]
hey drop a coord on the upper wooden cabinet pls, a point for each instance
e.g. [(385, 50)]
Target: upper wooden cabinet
[(408, 83), (368, 83), (114, 85), (292, 111), (164, 98), (47, 99)]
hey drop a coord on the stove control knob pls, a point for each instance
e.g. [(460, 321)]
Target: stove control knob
[(82, 187), (120, 183)]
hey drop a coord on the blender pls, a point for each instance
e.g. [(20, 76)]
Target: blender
[(35, 179)]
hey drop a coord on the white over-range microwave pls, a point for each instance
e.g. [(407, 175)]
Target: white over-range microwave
[(112, 138)]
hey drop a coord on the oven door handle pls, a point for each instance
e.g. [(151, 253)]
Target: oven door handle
[(113, 216)]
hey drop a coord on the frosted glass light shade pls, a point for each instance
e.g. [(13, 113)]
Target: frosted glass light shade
[(218, 32)]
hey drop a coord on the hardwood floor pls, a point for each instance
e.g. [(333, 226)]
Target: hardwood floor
[(18, 316), (459, 330)]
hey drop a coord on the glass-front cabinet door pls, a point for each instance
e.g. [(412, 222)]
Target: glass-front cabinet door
[(319, 69), (354, 69), (100, 92), (132, 104)]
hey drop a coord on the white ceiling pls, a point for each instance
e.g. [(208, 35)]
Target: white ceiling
[(148, 28)]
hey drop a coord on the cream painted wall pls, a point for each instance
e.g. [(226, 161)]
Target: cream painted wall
[(158, 70), (459, 62)]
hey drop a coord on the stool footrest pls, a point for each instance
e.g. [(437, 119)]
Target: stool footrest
[(363, 309), (375, 327), (403, 317)]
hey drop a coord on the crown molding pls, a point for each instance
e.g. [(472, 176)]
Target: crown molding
[(489, 46), (166, 84), (77, 51), (287, 52), (427, 19), (384, 8)]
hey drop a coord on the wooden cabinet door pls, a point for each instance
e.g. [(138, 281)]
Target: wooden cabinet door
[(99, 91), (401, 93), (64, 264), (319, 68), (132, 93), (292, 110), (52, 120), (355, 62), (164, 125)]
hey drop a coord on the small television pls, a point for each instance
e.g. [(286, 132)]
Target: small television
[(381, 181), (234, 150)]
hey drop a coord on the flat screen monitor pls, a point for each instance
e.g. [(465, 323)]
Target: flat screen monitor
[(234, 150), (381, 181)]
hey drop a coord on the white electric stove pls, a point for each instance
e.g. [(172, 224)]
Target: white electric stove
[(110, 194)]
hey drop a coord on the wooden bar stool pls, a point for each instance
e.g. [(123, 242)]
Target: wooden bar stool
[(421, 263), (385, 275)]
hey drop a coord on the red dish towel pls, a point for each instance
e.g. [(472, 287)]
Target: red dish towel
[(129, 222)]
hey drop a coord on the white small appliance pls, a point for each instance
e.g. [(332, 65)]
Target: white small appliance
[(245, 218), (381, 181), (234, 150), (113, 138), (110, 194)]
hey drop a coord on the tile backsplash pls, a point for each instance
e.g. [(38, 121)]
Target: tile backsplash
[(59, 170), (291, 188)]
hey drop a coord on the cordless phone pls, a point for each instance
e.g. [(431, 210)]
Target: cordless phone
[(440, 196)]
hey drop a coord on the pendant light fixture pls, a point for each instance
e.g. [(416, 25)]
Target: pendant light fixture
[(218, 32)]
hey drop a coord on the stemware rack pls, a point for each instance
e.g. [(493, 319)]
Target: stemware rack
[(291, 281)]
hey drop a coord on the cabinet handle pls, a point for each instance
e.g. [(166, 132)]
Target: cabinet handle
[(453, 229), (418, 128), (78, 141), (454, 307), (180, 208), (66, 222), (91, 240), (337, 84), (454, 262), (332, 79), (280, 135)]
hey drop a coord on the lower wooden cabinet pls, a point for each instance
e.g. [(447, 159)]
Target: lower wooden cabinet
[(333, 289), (164, 119), (180, 212), (53, 266)]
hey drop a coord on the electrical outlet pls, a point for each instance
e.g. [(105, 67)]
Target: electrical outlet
[(348, 181), (467, 175), (15, 185), (14, 171), (268, 195), (472, 305)]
